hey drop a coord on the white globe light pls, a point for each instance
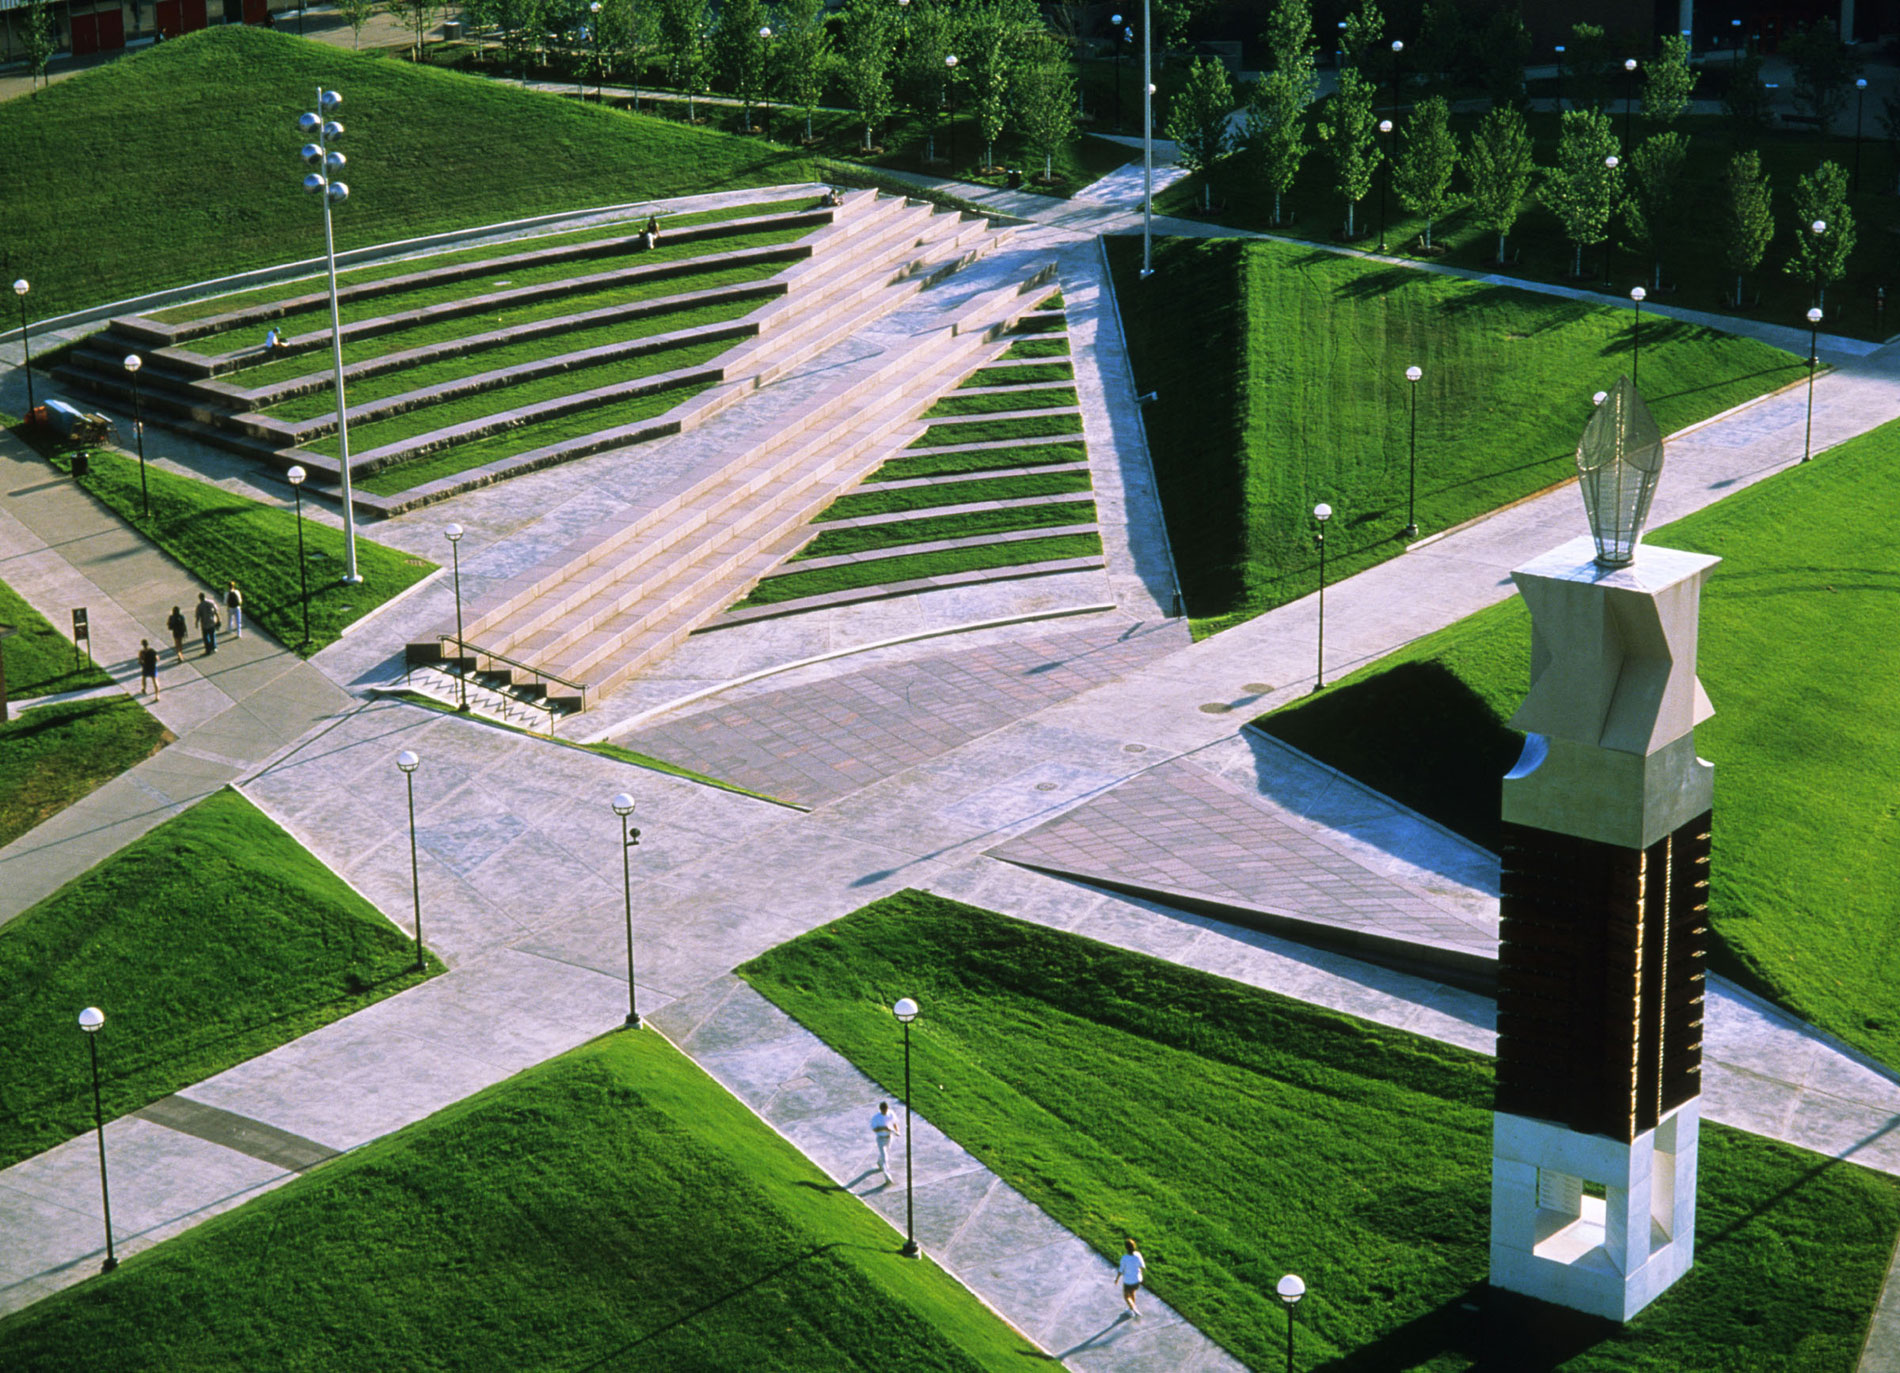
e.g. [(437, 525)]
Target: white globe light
[(407, 761), (1814, 316), (1638, 294), (1414, 373), (296, 476), (20, 287), (1599, 397), (133, 362), (91, 1019), (765, 33), (1612, 162), (1291, 1288), (1629, 64), (950, 61), (1322, 512), (454, 532), (622, 804), (1385, 126), (1819, 226), (905, 1010), (315, 182), (1397, 46)]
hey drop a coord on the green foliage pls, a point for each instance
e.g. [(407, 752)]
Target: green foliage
[(53, 755), (1746, 101), (866, 63), (1422, 174), (1748, 220), (996, 36), (1821, 258), (1348, 129), (419, 16), (1045, 104), (1587, 68), (39, 659), (1197, 117), (889, 500), (1582, 190), (739, 54), (356, 13), (1657, 207), (1668, 81), (683, 25), (1276, 132), (804, 54), (1239, 1135), (39, 40), (1279, 381), (1289, 38), (979, 460), (614, 1208), (1498, 162), (210, 940), (1359, 42), (429, 151), (1824, 69)]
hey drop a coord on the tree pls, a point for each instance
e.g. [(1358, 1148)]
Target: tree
[(1587, 67), (1821, 197), (1289, 37), (1668, 81), (1359, 44), (739, 54), (1581, 190), (1045, 100), (1746, 100), (1824, 68), (682, 30), (356, 13), (521, 23), (1657, 200), (418, 16), (928, 35), (1422, 173), (1349, 130), (1498, 162), (1197, 121), (38, 38), (804, 51), (1276, 132), (994, 33), (1748, 220), (865, 62)]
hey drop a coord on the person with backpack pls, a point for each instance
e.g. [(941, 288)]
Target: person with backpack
[(176, 624), (208, 622), (234, 604)]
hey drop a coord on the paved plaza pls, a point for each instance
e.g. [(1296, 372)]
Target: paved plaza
[(1091, 773)]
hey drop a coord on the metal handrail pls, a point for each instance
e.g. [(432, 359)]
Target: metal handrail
[(543, 677)]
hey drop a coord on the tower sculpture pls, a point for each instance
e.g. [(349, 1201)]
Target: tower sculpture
[(1603, 918)]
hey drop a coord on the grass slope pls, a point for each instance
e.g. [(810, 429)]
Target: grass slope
[(216, 111), (890, 501), (834, 542), (208, 941), (794, 585), (1239, 1135), (218, 535), (977, 460), (1280, 380), (53, 755), (612, 1209), (39, 659), (1804, 739)]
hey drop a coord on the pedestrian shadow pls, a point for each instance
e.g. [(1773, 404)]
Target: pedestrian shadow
[(1101, 1339), (850, 1186)]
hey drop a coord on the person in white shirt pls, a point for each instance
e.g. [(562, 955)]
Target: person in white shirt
[(1128, 1272), (884, 1128)]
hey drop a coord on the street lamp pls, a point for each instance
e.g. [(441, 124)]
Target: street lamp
[(1819, 229), (1322, 513), (1860, 104), (408, 762), (906, 1011), (1116, 20), (454, 533), (593, 34), (296, 476), (1147, 142), (1291, 1288), (132, 365), (1637, 296), (1610, 163), (765, 96), (950, 97), (1397, 48), (1814, 358), (1629, 96), (20, 288), (1560, 80), (90, 1020), (629, 836), (1413, 375), (331, 192), (1385, 127)]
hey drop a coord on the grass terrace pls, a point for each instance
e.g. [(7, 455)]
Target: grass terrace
[(210, 940), (1028, 428), (1280, 380), (1270, 1136), (1804, 738), (978, 460), (1036, 348), (53, 755), (794, 585), (612, 1209), (1020, 374), (1005, 400)]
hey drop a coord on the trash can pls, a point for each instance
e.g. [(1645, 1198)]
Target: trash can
[(1015, 178), (451, 30), (82, 465)]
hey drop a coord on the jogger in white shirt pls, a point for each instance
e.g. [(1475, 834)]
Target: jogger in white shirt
[(1128, 1272), (884, 1127)]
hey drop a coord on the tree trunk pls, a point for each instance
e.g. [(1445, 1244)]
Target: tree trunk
[(1576, 269), (867, 138), (1048, 169), (808, 126), (1207, 195), (1500, 250), (1738, 290), (1276, 209), (1350, 206), (1428, 235)]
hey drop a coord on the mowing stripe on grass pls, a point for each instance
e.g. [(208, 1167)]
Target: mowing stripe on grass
[(797, 585), (1000, 431), (977, 459), (1024, 372), (1037, 348), (968, 524), (886, 500), (992, 402)]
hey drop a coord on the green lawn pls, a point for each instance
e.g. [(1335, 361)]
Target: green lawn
[(1805, 741), (1696, 268), (978, 460), (1015, 376), (954, 404), (612, 1209), (1240, 1135), (212, 939), (891, 500), (968, 525), (1280, 380), (793, 585), (39, 660), (53, 755), (1030, 427), (220, 536), (216, 111), (1036, 348)]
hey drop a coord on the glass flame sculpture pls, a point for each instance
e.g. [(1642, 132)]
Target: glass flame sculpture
[(1619, 458)]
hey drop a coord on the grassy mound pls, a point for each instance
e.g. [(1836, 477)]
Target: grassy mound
[(212, 939), (39, 658), (1280, 374), (613, 1209), (1239, 1135), (189, 151), (53, 755), (1805, 742)]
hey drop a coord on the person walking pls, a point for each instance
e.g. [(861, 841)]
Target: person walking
[(176, 624), (1128, 1273), (234, 603), (884, 1129), (207, 616), (148, 667)]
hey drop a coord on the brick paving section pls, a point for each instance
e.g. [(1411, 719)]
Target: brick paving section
[(816, 743), (1178, 829)]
